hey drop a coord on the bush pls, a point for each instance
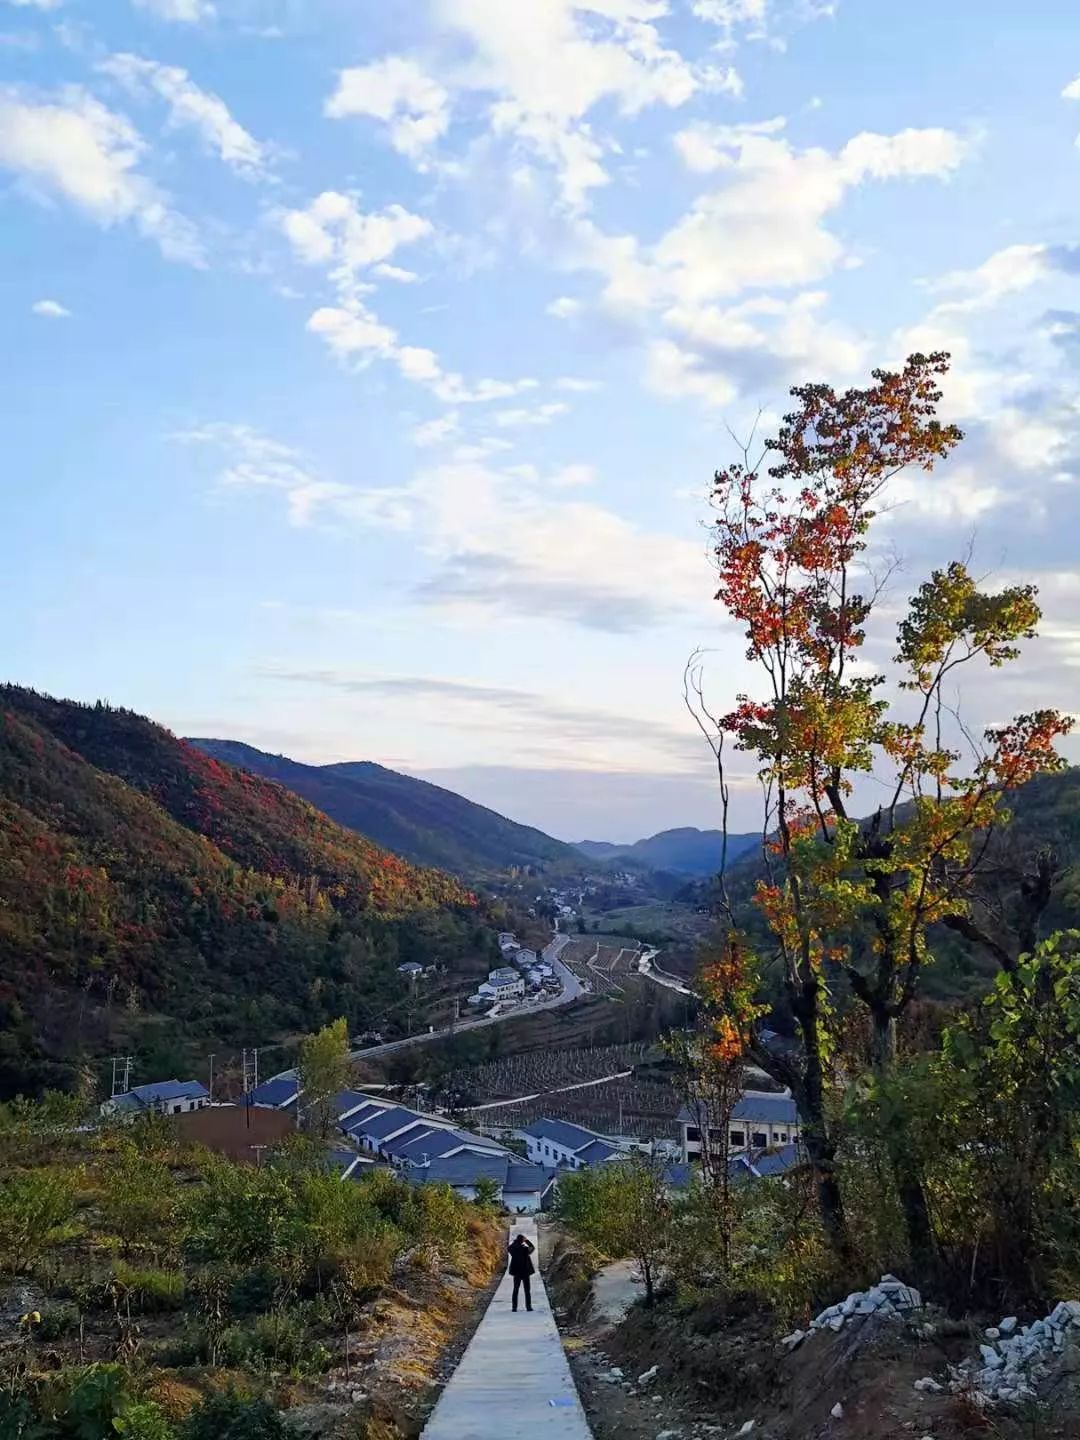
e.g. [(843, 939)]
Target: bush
[(229, 1416), (150, 1291), (57, 1321), (144, 1421), (36, 1210)]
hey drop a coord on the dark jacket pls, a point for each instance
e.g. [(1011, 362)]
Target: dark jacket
[(521, 1257)]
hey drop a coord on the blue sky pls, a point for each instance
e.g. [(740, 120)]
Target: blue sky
[(367, 363)]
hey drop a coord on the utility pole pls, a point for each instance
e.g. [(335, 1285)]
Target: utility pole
[(251, 1070), (210, 1087), (121, 1075)]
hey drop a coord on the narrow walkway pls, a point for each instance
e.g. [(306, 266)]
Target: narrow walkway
[(513, 1382)]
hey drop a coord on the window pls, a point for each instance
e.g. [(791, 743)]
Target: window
[(693, 1134), (759, 1139), (176, 1109), (783, 1137), (738, 1137)]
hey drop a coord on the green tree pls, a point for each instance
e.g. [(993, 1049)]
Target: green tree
[(623, 1209), (487, 1192), (323, 1071), (840, 898)]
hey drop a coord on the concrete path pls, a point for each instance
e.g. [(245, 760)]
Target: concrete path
[(513, 1382)]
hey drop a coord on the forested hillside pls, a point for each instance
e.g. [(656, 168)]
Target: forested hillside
[(149, 891), (685, 851), (420, 821)]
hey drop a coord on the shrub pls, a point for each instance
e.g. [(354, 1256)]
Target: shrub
[(144, 1421), (138, 1198), (150, 1291), (229, 1416), (36, 1210), (57, 1321)]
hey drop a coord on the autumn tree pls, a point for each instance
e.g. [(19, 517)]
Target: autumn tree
[(323, 1071), (844, 899)]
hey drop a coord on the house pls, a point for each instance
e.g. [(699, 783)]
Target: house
[(558, 1143), (507, 939), (506, 983), (760, 1120), (411, 969), (525, 958), (522, 1188), (161, 1097), (277, 1094), (749, 1165)]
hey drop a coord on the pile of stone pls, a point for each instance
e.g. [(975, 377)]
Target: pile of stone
[(1013, 1360), (890, 1298)]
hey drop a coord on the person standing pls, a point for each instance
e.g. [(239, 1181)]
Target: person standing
[(522, 1269)]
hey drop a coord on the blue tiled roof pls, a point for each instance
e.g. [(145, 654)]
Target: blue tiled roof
[(274, 1094), (463, 1169), (346, 1100), (679, 1176), (414, 1143), (570, 1137), (777, 1162)]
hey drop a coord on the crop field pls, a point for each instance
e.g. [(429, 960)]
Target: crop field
[(543, 1071), (602, 964), (627, 1106), (661, 920)]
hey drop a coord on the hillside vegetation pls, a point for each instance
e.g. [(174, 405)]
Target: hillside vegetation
[(151, 894), (422, 822)]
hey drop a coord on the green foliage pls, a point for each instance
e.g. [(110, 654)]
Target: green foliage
[(487, 1193), (144, 1421), (36, 1212), (323, 1071), (139, 1198), (57, 1321), (229, 1416), (149, 1291), (622, 1208)]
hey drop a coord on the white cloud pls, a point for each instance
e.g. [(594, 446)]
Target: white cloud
[(1072, 92), (564, 308), (435, 432), (765, 225), (75, 147), (36, 4), (395, 90), (356, 335), (395, 272), (191, 107), (50, 309), (184, 12), (1006, 272), (529, 419), (572, 385), (334, 231)]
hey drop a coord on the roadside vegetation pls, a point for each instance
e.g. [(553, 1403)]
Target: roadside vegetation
[(164, 1294)]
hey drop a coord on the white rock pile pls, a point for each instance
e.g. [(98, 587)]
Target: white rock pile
[(889, 1298), (1012, 1361)]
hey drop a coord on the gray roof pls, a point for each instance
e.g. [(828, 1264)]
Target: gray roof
[(432, 1143), (159, 1090), (777, 1162), (752, 1105), (570, 1137), (381, 1126), (526, 1178), (597, 1151), (346, 1100), (464, 1169)]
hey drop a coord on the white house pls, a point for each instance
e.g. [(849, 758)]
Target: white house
[(506, 983), (162, 1097), (526, 958), (558, 1143), (760, 1120)]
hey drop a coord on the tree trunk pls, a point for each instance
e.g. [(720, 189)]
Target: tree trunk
[(910, 1192), (815, 1127)]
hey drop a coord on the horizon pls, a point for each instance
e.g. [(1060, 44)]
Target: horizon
[(367, 373)]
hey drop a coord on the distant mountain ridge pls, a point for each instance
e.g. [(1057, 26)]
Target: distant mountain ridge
[(686, 851), (420, 821)]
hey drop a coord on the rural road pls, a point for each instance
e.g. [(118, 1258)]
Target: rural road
[(572, 990), (661, 977)]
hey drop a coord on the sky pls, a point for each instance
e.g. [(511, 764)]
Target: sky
[(367, 362)]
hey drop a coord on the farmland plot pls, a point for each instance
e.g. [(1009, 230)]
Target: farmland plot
[(645, 1109), (602, 964), (544, 1071)]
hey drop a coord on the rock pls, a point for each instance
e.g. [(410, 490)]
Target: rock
[(648, 1376), (795, 1339), (1008, 1325), (991, 1359), (748, 1425), (837, 1323), (993, 1333), (928, 1385), (850, 1305), (837, 1411), (668, 1435)]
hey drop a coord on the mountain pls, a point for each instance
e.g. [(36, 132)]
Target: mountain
[(152, 895), (422, 822), (685, 851)]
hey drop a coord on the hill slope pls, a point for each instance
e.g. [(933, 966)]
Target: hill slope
[(146, 886), (420, 821), (685, 851)]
